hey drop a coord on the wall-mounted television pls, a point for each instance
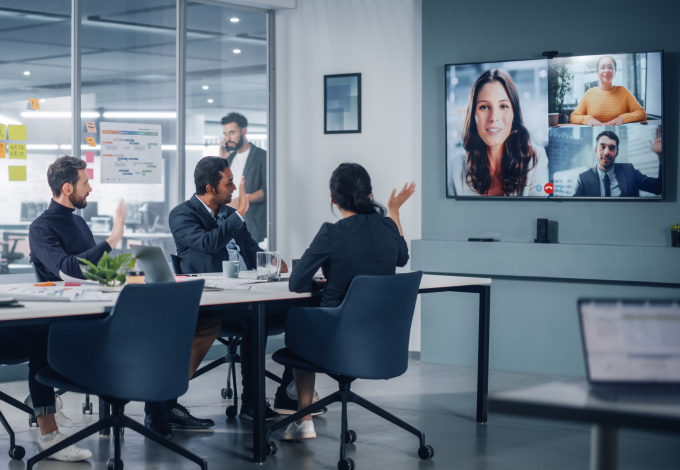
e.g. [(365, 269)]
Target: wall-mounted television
[(573, 128)]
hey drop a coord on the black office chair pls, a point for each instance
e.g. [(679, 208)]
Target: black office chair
[(366, 337), (87, 406), (117, 359), (230, 335), (9, 253), (9, 358)]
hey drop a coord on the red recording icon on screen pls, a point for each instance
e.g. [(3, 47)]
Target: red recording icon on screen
[(549, 188)]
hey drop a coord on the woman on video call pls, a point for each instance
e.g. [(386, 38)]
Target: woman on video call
[(499, 159), (607, 105)]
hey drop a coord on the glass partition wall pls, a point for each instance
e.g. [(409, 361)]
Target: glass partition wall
[(128, 85)]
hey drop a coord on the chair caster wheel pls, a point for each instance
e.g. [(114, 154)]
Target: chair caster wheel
[(350, 436), (227, 393), (122, 432), (346, 464), (426, 452), (111, 465), (271, 448), (231, 411), (87, 410), (17, 452)]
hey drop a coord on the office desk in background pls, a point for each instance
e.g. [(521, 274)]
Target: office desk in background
[(576, 402), (223, 303)]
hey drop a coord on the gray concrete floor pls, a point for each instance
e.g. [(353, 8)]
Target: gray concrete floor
[(439, 400)]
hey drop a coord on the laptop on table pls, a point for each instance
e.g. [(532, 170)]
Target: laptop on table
[(152, 260), (631, 347)]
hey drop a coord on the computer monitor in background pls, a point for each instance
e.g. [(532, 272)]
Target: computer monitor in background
[(133, 216), (31, 210), (153, 216), (91, 210)]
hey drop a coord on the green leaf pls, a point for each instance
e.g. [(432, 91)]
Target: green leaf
[(121, 263), (121, 279), (105, 262), (94, 277), (133, 263)]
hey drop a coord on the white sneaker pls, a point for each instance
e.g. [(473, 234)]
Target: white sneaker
[(297, 432), (291, 391), (59, 416), (61, 419), (69, 454)]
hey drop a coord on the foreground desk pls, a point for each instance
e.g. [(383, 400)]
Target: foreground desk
[(575, 402), (256, 300)]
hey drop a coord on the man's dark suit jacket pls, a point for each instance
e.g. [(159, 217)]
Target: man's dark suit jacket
[(630, 180), (201, 242), (255, 172)]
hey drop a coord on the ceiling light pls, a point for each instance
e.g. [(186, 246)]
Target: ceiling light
[(210, 101), (42, 100), (7, 120), (140, 115), (205, 87), (41, 147), (27, 72), (234, 20), (236, 51)]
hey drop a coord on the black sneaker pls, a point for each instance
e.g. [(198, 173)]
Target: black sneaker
[(179, 417), (287, 406), (247, 412), (158, 424)]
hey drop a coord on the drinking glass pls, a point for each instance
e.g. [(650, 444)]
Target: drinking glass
[(268, 265)]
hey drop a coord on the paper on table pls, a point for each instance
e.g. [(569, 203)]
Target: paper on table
[(55, 294), (85, 282), (17, 132), (17, 173)]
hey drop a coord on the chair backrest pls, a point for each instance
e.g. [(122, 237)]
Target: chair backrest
[(367, 336), (175, 264), (141, 351)]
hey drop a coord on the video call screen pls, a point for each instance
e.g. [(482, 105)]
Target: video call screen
[(568, 127)]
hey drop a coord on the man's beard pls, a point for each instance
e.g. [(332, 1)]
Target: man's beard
[(237, 146), (78, 203)]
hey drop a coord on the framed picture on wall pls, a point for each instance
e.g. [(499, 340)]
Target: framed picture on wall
[(342, 104)]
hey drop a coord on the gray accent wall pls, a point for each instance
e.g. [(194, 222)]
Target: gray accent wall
[(621, 249)]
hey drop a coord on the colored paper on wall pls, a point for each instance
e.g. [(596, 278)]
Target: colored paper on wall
[(17, 173), (33, 104), (89, 157), (90, 173), (91, 127), (90, 141), (17, 151), (2, 150), (17, 132), (2, 132)]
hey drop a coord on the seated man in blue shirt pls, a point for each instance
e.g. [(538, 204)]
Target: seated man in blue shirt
[(207, 232), (58, 237)]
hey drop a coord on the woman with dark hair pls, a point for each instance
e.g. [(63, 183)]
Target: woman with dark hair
[(499, 158), (364, 241), (607, 105)]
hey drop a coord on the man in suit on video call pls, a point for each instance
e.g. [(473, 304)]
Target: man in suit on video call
[(610, 179)]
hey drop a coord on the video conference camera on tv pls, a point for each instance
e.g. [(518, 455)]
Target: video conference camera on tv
[(550, 54)]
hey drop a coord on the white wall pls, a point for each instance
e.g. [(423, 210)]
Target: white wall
[(381, 39)]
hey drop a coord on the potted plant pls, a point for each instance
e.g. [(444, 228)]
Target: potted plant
[(109, 272), (675, 233)]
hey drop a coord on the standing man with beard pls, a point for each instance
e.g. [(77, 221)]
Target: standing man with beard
[(245, 159)]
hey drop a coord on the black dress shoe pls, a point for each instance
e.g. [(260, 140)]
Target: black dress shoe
[(247, 412), (158, 424), (285, 405), (179, 417)]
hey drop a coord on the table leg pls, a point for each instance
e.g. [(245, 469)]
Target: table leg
[(483, 353), (104, 412), (259, 422), (603, 447)]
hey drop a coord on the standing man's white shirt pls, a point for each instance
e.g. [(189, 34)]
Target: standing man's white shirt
[(238, 165)]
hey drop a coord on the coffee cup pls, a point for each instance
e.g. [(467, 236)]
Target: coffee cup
[(231, 269)]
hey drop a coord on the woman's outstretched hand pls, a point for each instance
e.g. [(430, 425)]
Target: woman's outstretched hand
[(397, 200)]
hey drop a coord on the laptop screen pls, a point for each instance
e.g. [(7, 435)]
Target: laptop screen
[(631, 341)]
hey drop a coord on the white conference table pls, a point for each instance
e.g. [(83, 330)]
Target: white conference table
[(255, 300)]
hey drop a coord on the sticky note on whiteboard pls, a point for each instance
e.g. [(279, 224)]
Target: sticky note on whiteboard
[(90, 141), (33, 104), (17, 151), (89, 157), (17, 132), (91, 127), (2, 132), (17, 173), (90, 173), (2, 150)]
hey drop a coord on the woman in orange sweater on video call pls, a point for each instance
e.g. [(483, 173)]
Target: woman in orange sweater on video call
[(607, 105)]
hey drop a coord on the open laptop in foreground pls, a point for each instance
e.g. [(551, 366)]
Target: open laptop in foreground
[(631, 347), (152, 260)]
